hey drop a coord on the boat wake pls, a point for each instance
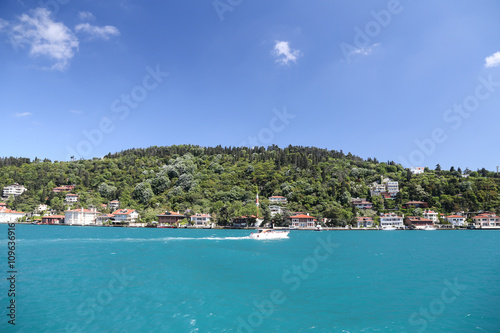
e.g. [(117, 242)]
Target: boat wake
[(128, 239)]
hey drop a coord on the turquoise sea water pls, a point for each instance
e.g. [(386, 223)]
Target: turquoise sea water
[(90, 279)]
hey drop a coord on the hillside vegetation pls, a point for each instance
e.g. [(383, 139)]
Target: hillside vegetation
[(224, 182)]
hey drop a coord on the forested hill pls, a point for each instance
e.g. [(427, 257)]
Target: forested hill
[(224, 181)]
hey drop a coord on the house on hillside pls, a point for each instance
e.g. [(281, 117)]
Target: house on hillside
[(113, 205), (277, 199), (14, 190), (417, 170), (415, 204), (71, 198), (387, 188), (361, 203), (275, 209), (63, 188)]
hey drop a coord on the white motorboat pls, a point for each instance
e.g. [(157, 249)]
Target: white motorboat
[(269, 234), (426, 227), (319, 228)]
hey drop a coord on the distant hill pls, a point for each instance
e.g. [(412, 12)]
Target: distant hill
[(224, 181)]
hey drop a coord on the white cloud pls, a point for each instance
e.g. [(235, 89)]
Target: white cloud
[(23, 114), (3, 24), (44, 37), (75, 111), (366, 50), (104, 32), (284, 54), (493, 60), (86, 16)]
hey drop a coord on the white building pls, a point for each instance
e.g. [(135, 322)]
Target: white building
[(302, 221), (41, 208), (386, 186), (125, 216), (431, 215), (456, 220), (115, 204), (392, 186), (361, 203), (417, 170), (486, 220), (277, 199), (201, 220), (364, 222), (276, 210), (391, 220), (14, 189), (71, 198), (8, 215), (81, 216)]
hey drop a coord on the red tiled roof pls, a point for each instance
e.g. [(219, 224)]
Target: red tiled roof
[(6, 210), (418, 218), (302, 216), (53, 217), (455, 216), (277, 196), (167, 213), (201, 215), (123, 212), (82, 210)]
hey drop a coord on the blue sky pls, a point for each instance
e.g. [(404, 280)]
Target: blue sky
[(416, 82)]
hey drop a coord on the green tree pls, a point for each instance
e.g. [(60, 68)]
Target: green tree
[(143, 192)]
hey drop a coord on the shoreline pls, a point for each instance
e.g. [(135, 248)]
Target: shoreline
[(249, 228)]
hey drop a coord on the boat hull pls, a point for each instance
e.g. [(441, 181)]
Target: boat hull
[(270, 235)]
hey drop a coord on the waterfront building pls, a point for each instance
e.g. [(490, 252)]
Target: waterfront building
[(485, 220), (431, 215), (170, 218), (364, 222), (302, 221), (81, 216), (391, 220), (418, 222), (456, 220), (122, 216), (8, 215), (53, 219), (201, 220)]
